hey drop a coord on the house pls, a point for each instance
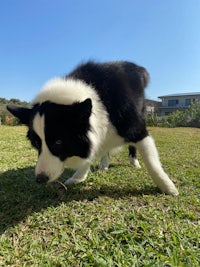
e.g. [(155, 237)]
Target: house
[(171, 103), (152, 107)]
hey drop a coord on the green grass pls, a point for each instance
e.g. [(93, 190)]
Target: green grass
[(115, 218)]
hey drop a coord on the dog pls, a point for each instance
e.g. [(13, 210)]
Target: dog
[(86, 114)]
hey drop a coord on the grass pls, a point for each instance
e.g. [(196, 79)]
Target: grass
[(115, 218)]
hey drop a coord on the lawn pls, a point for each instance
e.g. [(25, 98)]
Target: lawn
[(115, 218)]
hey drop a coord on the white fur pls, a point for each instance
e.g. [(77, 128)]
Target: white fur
[(47, 163), (134, 162), (64, 91), (104, 164), (80, 175), (150, 156), (67, 92), (103, 135)]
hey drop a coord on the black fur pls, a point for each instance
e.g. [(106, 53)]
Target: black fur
[(79, 126), (132, 152), (120, 86), (66, 127)]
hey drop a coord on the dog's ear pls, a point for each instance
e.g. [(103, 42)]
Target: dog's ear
[(85, 109), (23, 114)]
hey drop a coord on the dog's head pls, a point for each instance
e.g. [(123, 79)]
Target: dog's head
[(59, 132)]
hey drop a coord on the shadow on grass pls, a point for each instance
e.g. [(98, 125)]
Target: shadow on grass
[(20, 195)]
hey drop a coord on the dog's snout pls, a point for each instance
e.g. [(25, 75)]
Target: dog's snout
[(42, 178)]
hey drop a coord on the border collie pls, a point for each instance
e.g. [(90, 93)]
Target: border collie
[(85, 115)]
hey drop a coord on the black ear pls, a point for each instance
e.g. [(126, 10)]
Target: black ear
[(23, 114), (85, 108)]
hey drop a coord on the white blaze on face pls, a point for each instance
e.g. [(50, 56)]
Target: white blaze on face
[(47, 164)]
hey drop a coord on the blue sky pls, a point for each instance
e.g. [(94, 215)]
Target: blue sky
[(41, 39)]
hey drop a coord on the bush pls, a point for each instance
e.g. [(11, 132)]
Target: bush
[(152, 120), (189, 117), (7, 119)]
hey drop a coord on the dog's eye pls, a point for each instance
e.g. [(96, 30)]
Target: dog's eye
[(56, 147), (58, 142)]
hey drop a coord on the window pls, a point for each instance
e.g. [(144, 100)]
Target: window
[(187, 102), (172, 102)]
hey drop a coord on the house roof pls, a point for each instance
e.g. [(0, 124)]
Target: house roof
[(183, 94)]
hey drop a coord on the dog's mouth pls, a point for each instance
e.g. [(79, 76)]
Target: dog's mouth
[(48, 169), (42, 178)]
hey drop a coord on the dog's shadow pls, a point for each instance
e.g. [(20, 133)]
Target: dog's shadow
[(20, 195)]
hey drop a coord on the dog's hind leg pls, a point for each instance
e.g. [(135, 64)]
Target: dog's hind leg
[(80, 175), (133, 157), (104, 164), (150, 156)]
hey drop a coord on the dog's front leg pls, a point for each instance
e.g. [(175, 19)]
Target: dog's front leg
[(104, 164), (80, 175), (151, 159)]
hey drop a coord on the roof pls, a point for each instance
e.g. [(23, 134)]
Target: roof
[(183, 94)]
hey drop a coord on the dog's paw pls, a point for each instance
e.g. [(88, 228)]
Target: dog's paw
[(79, 176), (104, 164), (170, 190), (135, 163), (103, 167), (74, 180)]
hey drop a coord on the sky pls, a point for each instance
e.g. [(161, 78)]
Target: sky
[(43, 39)]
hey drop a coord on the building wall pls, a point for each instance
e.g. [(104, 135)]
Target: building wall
[(173, 103), (152, 107), (183, 101)]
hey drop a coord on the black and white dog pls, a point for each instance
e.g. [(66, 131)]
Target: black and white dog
[(82, 116)]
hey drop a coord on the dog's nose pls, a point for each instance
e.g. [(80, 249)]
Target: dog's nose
[(42, 178)]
